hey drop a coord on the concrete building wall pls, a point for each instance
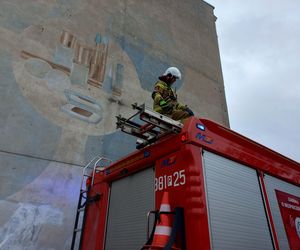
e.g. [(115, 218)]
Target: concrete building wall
[(67, 68)]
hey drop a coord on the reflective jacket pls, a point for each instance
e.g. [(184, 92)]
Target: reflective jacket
[(162, 91)]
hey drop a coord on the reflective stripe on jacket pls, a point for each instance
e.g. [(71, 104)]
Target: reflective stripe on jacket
[(162, 91)]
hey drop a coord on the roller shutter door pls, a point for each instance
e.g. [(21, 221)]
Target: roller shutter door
[(131, 198), (237, 216)]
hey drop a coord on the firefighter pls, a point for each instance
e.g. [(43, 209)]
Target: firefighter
[(165, 99)]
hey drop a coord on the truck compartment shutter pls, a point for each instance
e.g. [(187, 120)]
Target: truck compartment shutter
[(273, 184), (131, 198), (237, 216)]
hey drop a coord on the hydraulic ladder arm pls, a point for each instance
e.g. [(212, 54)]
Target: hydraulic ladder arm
[(154, 127)]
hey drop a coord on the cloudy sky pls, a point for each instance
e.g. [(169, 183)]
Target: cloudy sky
[(259, 44)]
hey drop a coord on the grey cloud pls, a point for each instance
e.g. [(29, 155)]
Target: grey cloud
[(260, 52)]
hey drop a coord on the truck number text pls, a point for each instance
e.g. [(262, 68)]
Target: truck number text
[(174, 180)]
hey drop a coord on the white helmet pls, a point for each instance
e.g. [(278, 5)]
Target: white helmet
[(173, 71)]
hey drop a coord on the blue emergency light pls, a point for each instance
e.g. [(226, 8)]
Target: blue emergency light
[(200, 126)]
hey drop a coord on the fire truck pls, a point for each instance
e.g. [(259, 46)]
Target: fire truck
[(194, 186)]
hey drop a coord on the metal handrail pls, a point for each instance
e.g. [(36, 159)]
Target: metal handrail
[(83, 195), (84, 170), (102, 168)]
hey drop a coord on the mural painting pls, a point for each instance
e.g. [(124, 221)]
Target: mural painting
[(77, 87), (61, 90), (67, 68)]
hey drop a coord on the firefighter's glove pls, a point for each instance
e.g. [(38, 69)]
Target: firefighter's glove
[(153, 94), (189, 111), (173, 98), (166, 107)]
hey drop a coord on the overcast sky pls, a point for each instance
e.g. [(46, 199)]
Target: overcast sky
[(259, 44)]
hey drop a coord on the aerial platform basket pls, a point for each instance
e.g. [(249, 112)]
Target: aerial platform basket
[(154, 125)]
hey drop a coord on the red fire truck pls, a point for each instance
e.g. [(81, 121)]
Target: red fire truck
[(194, 186)]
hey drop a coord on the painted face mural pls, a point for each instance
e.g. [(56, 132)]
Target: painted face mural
[(67, 68), (74, 84), (78, 82)]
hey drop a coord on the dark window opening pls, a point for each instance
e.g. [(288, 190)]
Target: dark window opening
[(82, 112)]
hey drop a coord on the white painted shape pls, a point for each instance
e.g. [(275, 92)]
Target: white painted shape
[(37, 67), (57, 80), (22, 230)]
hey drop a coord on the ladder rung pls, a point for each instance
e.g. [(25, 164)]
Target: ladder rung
[(77, 230), (80, 209)]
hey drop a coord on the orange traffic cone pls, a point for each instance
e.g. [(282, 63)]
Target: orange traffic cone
[(164, 226)]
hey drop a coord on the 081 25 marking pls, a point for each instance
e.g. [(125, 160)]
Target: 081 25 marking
[(174, 180)]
